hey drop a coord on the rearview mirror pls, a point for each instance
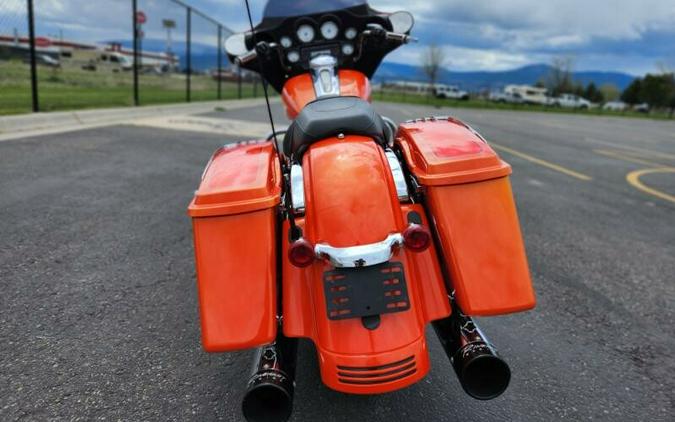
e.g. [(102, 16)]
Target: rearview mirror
[(235, 45), (401, 22)]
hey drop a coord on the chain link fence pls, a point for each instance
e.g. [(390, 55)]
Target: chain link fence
[(112, 53)]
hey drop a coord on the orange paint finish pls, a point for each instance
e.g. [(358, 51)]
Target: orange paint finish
[(348, 193), (240, 178), (299, 90), (234, 227), (350, 200), (375, 374), (474, 213), (297, 93), (354, 84), (442, 152)]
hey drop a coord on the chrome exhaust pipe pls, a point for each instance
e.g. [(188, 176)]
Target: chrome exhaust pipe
[(481, 372), (269, 393)]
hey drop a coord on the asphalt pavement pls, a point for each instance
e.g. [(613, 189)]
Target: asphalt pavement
[(98, 307)]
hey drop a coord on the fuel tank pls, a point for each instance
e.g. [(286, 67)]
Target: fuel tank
[(351, 200), (299, 90)]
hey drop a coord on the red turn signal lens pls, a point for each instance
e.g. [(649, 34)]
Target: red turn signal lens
[(301, 253), (416, 238)]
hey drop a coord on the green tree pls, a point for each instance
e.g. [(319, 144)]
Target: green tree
[(657, 90), (578, 90), (432, 64), (593, 94), (633, 93), (610, 92), (559, 79)]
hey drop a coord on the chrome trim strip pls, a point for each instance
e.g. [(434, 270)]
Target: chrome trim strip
[(360, 256), (399, 176), (324, 76), (297, 189)]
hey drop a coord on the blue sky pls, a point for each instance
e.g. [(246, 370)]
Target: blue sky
[(634, 36)]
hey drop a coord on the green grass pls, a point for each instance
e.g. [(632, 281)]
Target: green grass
[(398, 97), (72, 88)]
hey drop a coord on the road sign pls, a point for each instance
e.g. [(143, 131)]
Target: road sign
[(141, 18)]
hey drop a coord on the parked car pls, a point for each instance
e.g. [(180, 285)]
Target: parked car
[(641, 108), (506, 97), (45, 60), (450, 91), (615, 106), (572, 101)]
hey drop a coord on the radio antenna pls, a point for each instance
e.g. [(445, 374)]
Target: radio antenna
[(264, 85), (294, 229)]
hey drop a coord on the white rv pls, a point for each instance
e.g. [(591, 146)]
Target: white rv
[(529, 94)]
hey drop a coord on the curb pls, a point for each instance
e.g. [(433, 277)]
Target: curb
[(39, 123)]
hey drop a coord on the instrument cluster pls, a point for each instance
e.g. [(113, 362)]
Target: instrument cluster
[(310, 33)]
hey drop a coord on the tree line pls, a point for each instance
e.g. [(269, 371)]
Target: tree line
[(657, 90)]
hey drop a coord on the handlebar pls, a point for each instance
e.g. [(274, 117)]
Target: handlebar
[(253, 54), (392, 36), (246, 57)]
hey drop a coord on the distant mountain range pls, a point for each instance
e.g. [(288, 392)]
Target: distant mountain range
[(484, 80), (204, 57)]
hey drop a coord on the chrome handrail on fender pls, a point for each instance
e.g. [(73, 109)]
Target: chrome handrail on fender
[(362, 255)]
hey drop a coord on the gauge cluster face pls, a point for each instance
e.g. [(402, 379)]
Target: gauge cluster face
[(297, 39), (298, 36)]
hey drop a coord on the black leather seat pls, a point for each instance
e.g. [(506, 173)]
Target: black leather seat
[(331, 116)]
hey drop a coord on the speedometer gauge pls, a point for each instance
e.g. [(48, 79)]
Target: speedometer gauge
[(305, 33), (329, 30)]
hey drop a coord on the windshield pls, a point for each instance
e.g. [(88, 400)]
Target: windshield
[(285, 8)]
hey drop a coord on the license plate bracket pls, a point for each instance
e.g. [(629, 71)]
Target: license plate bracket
[(365, 291)]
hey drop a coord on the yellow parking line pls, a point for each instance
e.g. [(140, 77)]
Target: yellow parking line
[(542, 163), (624, 157), (633, 178), (641, 151)]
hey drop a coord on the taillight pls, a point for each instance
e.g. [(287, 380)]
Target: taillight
[(416, 238), (301, 253)]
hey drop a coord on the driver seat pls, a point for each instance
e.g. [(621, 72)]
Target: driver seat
[(330, 116)]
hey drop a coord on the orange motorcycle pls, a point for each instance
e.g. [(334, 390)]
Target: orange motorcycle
[(349, 230)]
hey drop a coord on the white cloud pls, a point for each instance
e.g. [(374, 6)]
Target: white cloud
[(478, 34)]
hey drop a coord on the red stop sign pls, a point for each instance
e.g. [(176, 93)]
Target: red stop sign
[(141, 18)]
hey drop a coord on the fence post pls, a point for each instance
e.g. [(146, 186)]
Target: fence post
[(220, 61), (239, 82), (188, 41), (33, 61), (134, 25)]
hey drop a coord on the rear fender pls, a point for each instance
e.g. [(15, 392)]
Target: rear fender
[(351, 200)]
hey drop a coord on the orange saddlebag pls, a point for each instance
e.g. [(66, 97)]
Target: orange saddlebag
[(234, 226), (469, 197)]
